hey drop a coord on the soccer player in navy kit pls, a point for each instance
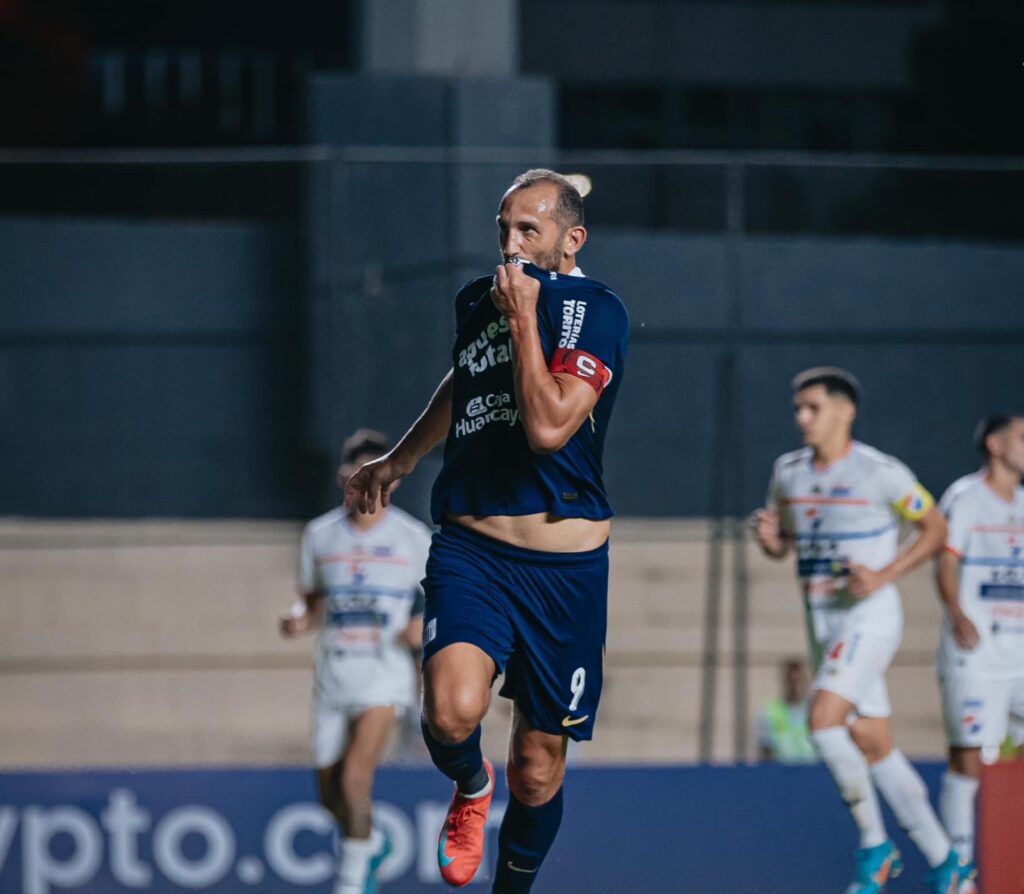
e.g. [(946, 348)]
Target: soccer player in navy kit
[(517, 576)]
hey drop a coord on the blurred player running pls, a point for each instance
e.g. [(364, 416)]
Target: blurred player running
[(518, 575), (840, 502), (359, 576), (981, 651)]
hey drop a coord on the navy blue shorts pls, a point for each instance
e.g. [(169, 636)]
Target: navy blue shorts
[(541, 617)]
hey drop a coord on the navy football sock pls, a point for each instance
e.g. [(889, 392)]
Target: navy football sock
[(462, 762), (524, 840)]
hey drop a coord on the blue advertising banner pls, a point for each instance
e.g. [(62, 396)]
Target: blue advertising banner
[(659, 830)]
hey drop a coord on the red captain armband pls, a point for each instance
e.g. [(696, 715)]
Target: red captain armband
[(582, 365)]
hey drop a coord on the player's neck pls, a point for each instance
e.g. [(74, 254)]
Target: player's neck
[(362, 522), (829, 453), (1001, 480)]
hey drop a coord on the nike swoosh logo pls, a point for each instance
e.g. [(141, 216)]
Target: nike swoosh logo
[(568, 721), (515, 868), (442, 857)]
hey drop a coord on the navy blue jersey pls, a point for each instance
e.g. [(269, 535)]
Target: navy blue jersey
[(489, 468)]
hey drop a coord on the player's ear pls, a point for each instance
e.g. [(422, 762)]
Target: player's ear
[(994, 444), (574, 239)]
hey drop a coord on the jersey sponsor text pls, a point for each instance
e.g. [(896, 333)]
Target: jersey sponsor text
[(485, 351)]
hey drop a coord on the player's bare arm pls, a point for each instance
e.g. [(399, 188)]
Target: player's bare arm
[(931, 536), (553, 405), (770, 537), (412, 635), (303, 616), (947, 577), (374, 482)]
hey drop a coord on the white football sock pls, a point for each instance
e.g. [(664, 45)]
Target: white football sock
[(956, 805), (905, 793), (850, 772), (356, 854)]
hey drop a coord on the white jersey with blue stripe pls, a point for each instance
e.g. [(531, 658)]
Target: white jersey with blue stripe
[(986, 533), (848, 512), (370, 583)]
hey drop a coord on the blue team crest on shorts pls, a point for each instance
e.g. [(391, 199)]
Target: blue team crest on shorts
[(970, 718)]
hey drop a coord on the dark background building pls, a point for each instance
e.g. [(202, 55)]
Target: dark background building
[(229, 232)]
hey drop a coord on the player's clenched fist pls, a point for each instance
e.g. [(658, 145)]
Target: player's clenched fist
[(769, 532), (965, 634), (373, 483), (864, 581), (514, 293), (298, 621)]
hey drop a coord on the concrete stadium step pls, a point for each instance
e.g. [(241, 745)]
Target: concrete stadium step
[(155, 642)]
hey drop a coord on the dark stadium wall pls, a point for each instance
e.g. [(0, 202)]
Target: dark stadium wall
[(931, 328), (720, 323), (718, 331), (726, 43), (842, 76), (196, 339), (391, 242), (149, 368), (159, 368)]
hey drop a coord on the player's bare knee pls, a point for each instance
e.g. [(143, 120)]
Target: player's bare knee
[(873, 750), (821, 717), (862, 740), (453, 714), (534, 782), (873, 737), (535, 769), (965, 761)]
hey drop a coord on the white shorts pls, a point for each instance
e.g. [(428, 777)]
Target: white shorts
[(853, 666), (981, 711), (330, 730), (346, 686)]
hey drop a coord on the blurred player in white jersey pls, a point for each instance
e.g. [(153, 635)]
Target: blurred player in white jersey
[(839, 503), (359, 577), (981, 650)]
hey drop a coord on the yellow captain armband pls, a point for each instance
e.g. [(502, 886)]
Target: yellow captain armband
[(915, 505)]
